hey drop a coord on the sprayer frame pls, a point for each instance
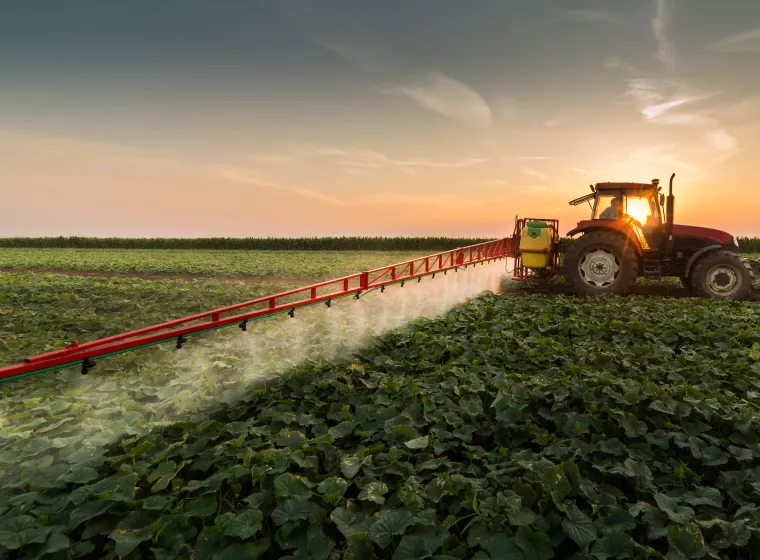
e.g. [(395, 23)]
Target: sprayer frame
[(542, 275)]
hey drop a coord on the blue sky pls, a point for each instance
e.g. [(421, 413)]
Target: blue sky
[(358, 117)]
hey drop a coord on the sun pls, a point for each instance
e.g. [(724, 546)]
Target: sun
[(638, 208)]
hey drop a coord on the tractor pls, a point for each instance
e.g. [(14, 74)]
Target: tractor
[(627, 237)]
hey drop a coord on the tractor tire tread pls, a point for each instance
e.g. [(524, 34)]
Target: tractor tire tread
[(626, 254), (699, 270)]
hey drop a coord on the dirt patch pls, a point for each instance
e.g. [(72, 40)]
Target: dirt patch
[(294, 280)]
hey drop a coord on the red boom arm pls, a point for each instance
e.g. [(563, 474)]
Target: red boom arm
[(283, 302)]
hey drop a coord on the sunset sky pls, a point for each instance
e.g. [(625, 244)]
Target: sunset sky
[(395, 117)]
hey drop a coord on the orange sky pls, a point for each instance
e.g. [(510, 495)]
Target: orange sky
[(388, 122)]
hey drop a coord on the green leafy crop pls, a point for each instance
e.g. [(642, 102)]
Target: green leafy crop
[(530, 427)]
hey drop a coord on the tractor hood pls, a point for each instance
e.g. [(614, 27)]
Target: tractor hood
[(713, 235)]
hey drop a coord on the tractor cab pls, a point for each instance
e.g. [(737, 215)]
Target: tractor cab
[(637, 204)]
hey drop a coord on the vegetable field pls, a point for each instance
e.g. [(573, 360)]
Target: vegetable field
[(260, 264), (529, 427)]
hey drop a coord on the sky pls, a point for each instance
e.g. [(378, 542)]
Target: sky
[(200, 118)]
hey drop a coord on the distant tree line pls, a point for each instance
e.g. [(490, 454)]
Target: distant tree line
[(432, 244)]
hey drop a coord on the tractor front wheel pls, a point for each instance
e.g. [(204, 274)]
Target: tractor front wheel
[(601, 263), (722, 275)]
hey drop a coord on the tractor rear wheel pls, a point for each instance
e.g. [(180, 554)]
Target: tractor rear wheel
[(722, 275), (601, 263)]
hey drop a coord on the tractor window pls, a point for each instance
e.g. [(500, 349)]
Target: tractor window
[(641, 208), (608, 207)]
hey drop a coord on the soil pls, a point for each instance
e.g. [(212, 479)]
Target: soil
[(294, 280)]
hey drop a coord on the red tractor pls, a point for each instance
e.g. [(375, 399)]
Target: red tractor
[(627, 237)]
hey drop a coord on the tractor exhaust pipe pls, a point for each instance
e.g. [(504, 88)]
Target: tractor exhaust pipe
[(669, 213)]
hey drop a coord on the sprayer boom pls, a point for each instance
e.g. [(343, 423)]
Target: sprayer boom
[(241, 314)]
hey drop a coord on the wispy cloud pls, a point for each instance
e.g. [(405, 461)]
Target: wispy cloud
[(370, 159), (590, 16), (662, 156), (579, 170), (533, 173), (659, 25), (430, 89), (722, 141), (616, 62), (746, 41), (446, 96), (743, 110), (250, 177), (657, 101)]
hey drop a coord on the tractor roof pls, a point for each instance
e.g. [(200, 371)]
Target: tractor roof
[(626, 186)]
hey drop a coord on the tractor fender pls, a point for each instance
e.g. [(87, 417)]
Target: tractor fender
[(698, 254), (623, 228)]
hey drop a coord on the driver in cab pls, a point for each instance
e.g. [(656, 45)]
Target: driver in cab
[(613, 211)]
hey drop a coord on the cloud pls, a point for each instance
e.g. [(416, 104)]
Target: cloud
[(616, 62), (446, 96), (722, 141), (657, 100), (506, 109), (659, 24), (590, 16), (659, 156), (249, 177), (430, 89), (743, 110), (746, 41), (579, 170), (533, 173), (370, 159)]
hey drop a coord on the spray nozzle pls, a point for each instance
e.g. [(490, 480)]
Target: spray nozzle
[(87, 365)]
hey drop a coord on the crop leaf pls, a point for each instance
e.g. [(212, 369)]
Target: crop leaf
[(289, 486), (614, 544), (687, 541), (387, 524), (374, 492), (679, 514), (417, 443), (294, 509), (245, 524), (535, 545), (578, 526), (412, 548)]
